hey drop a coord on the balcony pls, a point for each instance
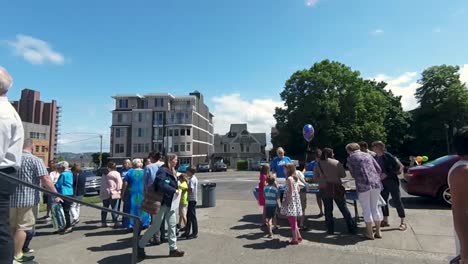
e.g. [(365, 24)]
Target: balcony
[(179, 121)]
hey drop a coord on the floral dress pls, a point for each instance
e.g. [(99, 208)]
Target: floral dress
[(293, 208), (133, 198)]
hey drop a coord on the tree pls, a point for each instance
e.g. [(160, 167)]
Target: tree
[(342, 106), (443, 102), (105, 158)]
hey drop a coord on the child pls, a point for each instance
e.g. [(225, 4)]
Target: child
[(261, 185), (183, 187), (271, 195), (192, 224), (292, 202)]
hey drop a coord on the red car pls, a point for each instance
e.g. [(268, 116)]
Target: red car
[(430, 179)]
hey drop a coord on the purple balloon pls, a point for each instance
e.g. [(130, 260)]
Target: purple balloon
[(308, 132)]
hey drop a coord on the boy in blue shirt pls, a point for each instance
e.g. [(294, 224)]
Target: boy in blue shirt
[(271, 203)]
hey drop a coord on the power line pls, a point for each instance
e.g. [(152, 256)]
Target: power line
[(76, 141)]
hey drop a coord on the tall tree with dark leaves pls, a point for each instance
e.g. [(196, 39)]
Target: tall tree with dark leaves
[(443, 107), (342, 106)]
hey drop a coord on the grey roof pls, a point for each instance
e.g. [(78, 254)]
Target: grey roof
[(237, 128), (261, 137)]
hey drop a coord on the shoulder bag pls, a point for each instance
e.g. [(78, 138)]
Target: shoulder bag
[(152, 200)]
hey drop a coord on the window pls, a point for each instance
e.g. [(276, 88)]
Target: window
[(159, 118), (172, 117), (188, 146), (37, 148), (161, 100), (147, 145), (242, 147), (170, 132), (43, 149), (182, 132), (145, 104), (123, 103), (118, 132), (247, 149), (182, 147), (141, 148), (176, 132), (140, 117), (188, 102), (119, 148), (176, 148), (157, 147), (225, 148), (188, 132), (119, 118)]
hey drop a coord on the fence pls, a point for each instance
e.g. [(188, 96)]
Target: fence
[(136, 228)]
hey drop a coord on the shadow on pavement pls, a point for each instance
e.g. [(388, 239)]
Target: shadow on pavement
[(118, 245), (268, 244), (246, 227), (124, 258), (423, 203), (109, 232)]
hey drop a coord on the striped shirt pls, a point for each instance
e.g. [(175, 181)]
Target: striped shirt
[(32, 169), (271, 196)]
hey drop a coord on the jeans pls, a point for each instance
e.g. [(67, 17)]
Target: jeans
[(75, 209), (114, 205), (192, 223), (370, 208), (6, 241), (29, 236), (170, 215), (392, 186), (66, 211), (341, 203)]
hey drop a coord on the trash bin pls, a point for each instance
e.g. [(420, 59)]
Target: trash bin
[(209, 194)]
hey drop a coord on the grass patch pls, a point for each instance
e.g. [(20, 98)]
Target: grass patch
[(88, 199)]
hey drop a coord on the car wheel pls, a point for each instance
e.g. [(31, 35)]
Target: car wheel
[(445, 196)]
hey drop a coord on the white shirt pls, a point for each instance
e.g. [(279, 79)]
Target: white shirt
[(193, 184), (11, 135)]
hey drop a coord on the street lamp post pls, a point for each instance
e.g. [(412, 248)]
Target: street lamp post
[(100, 153), (447, 137)]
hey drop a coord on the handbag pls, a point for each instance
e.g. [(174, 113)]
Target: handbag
[(381, 202), (152, 201), (58, 216), (332, 190)]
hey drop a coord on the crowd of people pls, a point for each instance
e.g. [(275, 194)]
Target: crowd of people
[(376, 174)]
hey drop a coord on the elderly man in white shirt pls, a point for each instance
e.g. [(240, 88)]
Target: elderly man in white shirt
[(11, 145)]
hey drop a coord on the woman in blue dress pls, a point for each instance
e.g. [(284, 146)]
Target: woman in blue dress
[(133, 194)]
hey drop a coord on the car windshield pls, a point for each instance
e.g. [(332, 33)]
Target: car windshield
[(438, 161), (88, 173)]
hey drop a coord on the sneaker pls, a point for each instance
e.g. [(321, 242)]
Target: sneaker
[(28, 250), (24, 259), (176, 253), (192, 236), (66, 231)]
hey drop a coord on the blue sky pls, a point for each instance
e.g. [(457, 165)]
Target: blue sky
[(238, 53)]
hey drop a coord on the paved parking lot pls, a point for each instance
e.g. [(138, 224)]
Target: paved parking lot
[(229, 233)]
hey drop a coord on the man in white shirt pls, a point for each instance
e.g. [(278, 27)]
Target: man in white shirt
[(11, 149)]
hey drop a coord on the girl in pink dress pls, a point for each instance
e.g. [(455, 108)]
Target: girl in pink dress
[(261, 186)]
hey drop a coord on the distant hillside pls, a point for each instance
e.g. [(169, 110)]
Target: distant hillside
[(73, 158)]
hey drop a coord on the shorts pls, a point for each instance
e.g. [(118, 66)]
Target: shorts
[(303, 196), (183, 210), (270, 212), (22, 218)]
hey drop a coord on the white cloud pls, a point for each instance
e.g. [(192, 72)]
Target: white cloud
[(464, 74), (232, 109), (311, 2), (377, 32), (437, 30), (35, 51), (404, 85)]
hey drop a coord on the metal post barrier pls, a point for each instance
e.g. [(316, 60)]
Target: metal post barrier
[(137, 219)]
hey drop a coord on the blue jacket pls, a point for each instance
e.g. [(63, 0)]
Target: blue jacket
[(166, 183), (64, 184)]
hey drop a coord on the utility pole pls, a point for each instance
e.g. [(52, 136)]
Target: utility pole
[(100, 153), (447, 138)]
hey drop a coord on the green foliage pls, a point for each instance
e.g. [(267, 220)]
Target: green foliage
[(60, 159), (444, 107), (342, 106), (105, 158), (242, 165)]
